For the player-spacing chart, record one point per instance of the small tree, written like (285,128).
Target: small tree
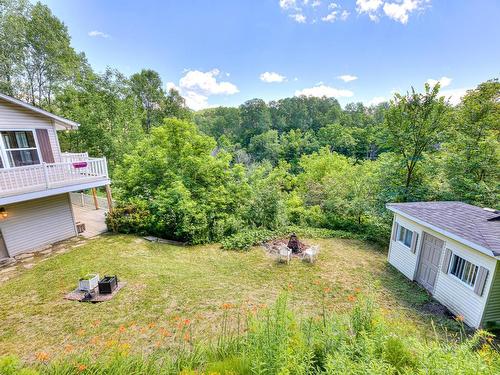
(415,123)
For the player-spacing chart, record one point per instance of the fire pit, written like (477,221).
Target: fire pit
(293,243)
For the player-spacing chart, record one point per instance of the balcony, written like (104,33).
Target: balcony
(75,172)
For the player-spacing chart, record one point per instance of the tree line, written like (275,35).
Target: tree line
(202,176)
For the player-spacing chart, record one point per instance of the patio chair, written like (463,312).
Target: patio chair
(311,253)
(284,254)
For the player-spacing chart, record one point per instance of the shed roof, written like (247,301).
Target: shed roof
(60,122)
(477,227)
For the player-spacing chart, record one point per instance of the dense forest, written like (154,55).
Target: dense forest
(303,161)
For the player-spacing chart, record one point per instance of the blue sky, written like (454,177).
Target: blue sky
(217,52)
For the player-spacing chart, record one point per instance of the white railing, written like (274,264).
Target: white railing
(74,156)
(48,176)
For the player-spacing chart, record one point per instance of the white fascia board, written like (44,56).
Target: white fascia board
(48,192)
(444,232)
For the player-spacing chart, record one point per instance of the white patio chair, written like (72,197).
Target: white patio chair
(284,254)
(311,253)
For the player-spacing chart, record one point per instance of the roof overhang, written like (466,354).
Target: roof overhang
(61,123)
(444,232)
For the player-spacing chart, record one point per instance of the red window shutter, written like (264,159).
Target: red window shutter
(45,147)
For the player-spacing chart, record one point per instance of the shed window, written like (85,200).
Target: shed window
(464,270)
(405,235)
(20,148)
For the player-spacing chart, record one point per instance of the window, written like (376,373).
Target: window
(404,236)
(20,148)
(464,270)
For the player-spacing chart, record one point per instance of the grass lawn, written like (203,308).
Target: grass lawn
(172,287)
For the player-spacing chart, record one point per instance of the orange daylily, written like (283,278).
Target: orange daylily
(81,367)
(42,356)
(351,298)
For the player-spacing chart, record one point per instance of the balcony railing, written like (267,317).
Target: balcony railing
(72,171)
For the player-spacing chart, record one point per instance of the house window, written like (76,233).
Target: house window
(20,148)
(405,235)
(464,270)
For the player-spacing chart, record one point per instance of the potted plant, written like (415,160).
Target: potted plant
(88,282)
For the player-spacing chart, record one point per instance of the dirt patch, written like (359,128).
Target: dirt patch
(436,308)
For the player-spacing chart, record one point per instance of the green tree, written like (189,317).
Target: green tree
(255,119)
(415,124)
(472,156)
(265,146)
(146,85)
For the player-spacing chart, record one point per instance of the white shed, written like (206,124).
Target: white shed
(451,249)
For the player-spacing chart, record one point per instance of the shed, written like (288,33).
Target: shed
(451,249)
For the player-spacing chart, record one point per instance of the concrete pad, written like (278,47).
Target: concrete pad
(93,219)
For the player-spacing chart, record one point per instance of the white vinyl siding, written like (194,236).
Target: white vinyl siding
(36,223)
(455,294)
(449,290)
(400,255)
(13,117)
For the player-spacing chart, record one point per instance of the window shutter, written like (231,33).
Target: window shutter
(414,242)
(395,231)
(42,136)
(482,275)
(446,261)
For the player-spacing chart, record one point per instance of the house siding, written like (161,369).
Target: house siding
(36,223)
(16,117)
(401,256)
(492,308)
(448,290)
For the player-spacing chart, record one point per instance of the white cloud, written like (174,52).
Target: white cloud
(98,34)
(287,4)
(400,11)
(333,6)
(344,15)
(368,6)
(443,81)
(270,77)
(377,100)
(322,90)
(316,3)
(453,96)
(197,86)
(330,17)
(300,18)
(347,77)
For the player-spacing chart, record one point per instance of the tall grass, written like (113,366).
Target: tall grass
(274,341)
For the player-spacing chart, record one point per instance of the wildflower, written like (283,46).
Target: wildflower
(151,325)
(317,282)
(351,298)
(122,328)
(290,286)
(187,336)
(327,290)
(459,318)
(227,306)
(164,332)
(80,332)
(81,367)
(94,340)
(69,348)
(42,356)
(96,323)
(110,343)
(142,330)
(357,290)
(187,322)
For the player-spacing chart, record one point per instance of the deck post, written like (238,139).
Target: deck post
(110,199)
(94,195)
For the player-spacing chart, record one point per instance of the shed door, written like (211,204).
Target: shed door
(3,248)
(429,261)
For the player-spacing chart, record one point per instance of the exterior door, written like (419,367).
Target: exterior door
(3,248)
(430,255)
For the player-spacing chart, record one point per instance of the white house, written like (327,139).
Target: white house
(36,178)
(452,249)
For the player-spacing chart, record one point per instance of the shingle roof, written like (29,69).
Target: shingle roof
(468,222)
